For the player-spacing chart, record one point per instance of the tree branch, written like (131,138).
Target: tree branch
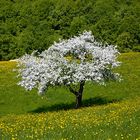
(73,91)
(80,91)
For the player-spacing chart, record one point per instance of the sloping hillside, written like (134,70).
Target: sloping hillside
(110,112)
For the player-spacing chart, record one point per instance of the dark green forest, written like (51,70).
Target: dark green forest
(27,25)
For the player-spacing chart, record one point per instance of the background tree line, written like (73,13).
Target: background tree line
(27,25)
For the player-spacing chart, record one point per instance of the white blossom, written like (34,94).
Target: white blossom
(77,59)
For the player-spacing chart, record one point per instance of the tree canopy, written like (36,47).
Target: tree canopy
(27,25)
(69,62)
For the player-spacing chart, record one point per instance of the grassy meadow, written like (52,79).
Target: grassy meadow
(110,112)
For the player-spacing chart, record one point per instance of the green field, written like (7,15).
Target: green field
(110,112)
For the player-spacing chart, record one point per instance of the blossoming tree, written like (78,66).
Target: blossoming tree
(70,63)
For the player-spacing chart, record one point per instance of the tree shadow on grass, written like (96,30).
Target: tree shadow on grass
(85,103)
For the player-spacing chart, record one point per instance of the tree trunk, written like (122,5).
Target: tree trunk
(78,101)
(78,94)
